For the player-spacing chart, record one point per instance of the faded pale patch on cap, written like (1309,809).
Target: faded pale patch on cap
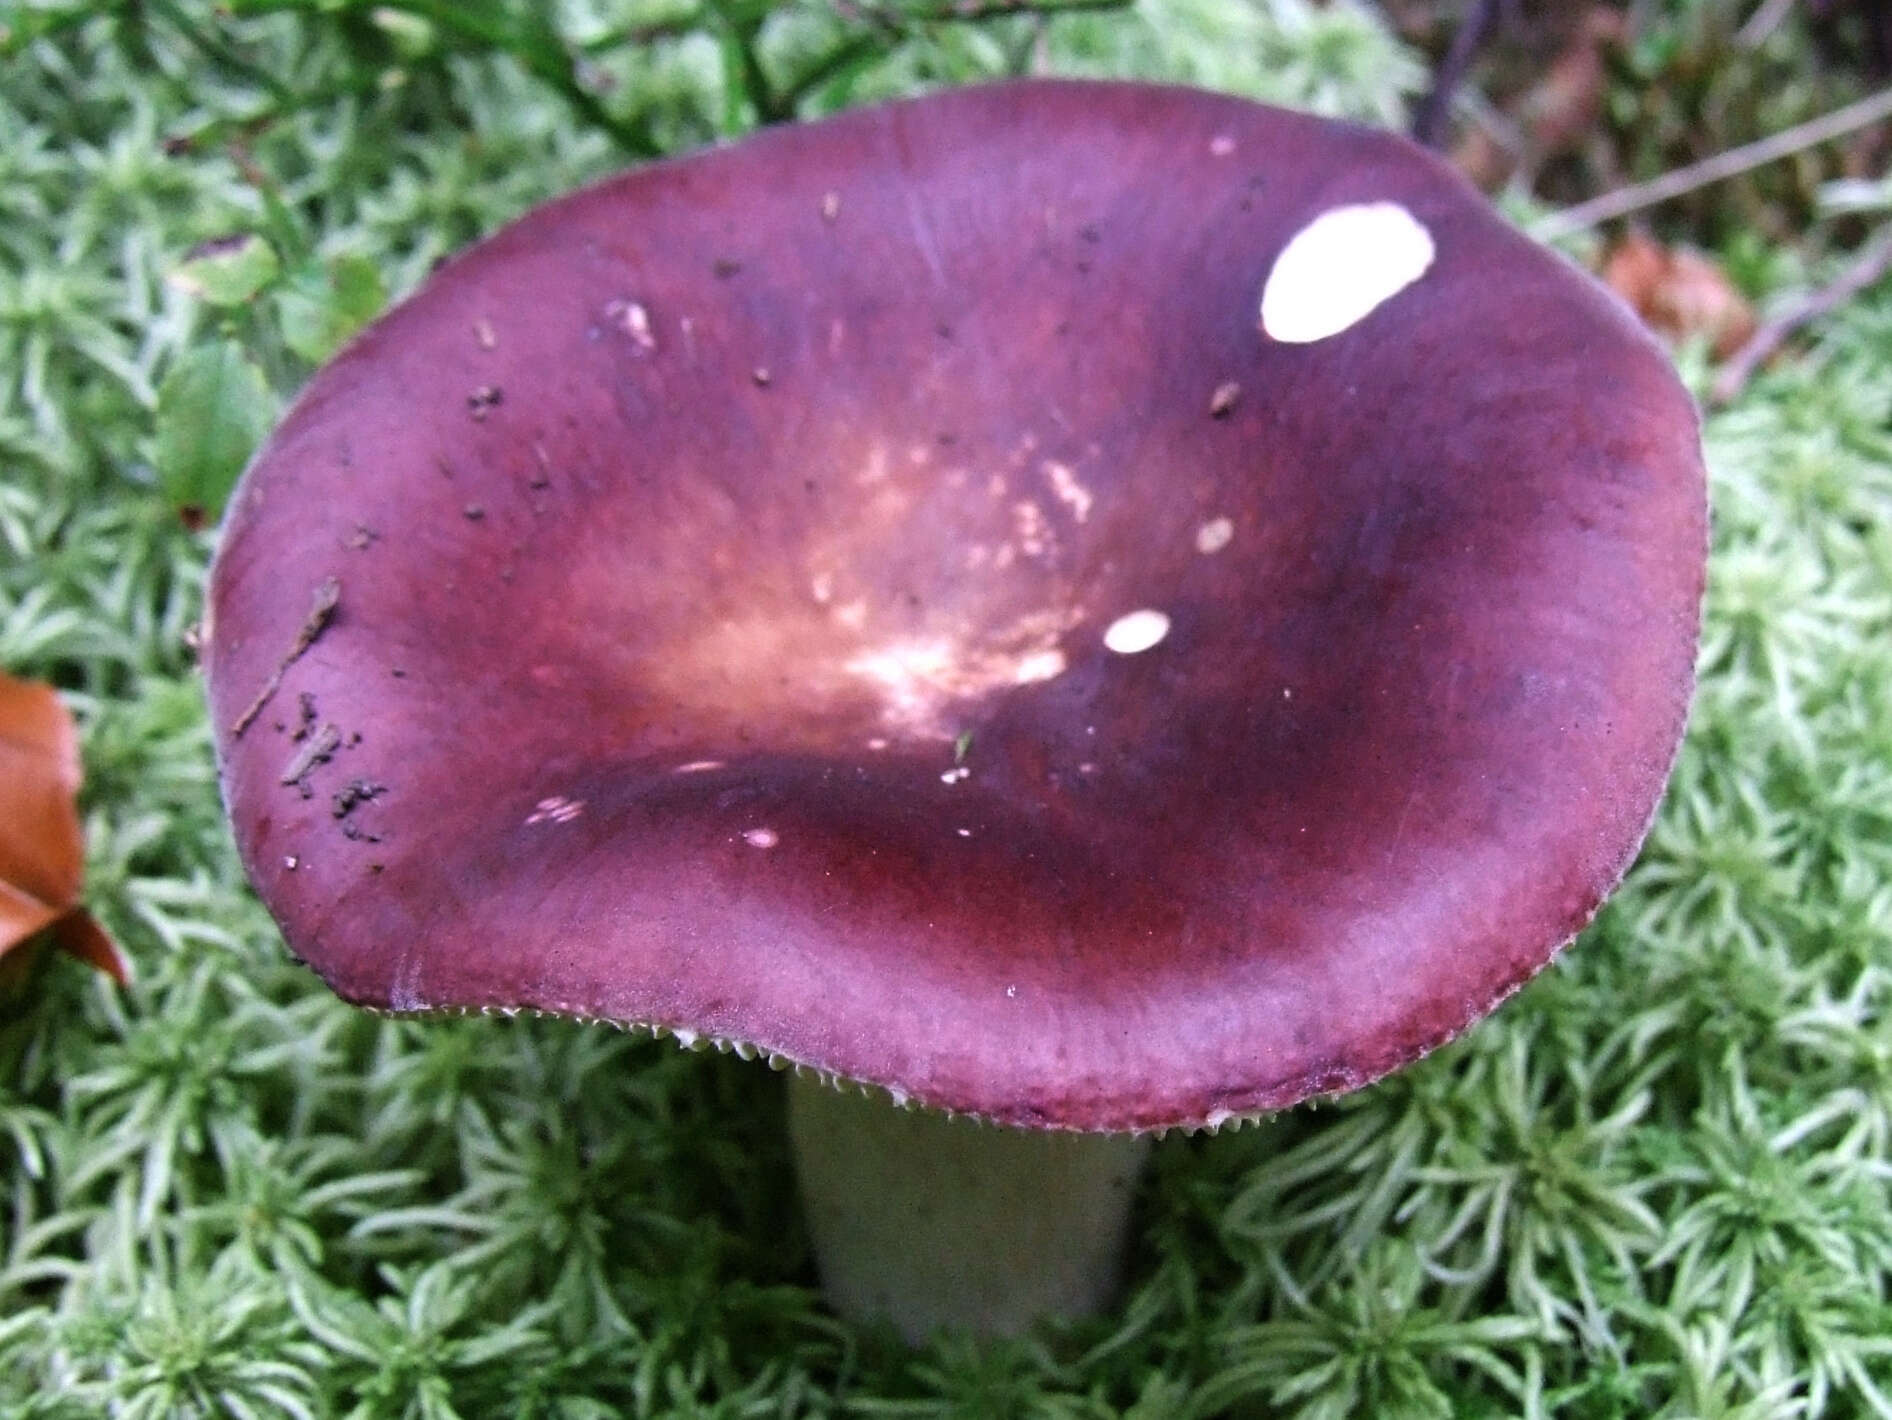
(1340,268)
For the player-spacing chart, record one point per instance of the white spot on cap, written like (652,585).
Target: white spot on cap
(557,809)
(1136,631)
(1221,145)
(1340,267)
(1214,535)
(953,776)
(633,319)
(761,837)
(698,766)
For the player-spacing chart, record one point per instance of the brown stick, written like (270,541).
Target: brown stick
(319,748)
(1431,123)
(1869,264)
(1874,108)
(321,608)
(1763,22)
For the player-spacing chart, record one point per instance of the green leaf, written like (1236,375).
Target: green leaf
(213,409)
(227,271)
(321,306)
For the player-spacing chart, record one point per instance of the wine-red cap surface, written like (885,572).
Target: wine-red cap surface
(1092,605)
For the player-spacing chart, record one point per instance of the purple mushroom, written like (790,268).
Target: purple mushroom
(1092,607)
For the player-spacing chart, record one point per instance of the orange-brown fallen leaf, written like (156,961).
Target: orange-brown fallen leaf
(42,853)
(1679,293)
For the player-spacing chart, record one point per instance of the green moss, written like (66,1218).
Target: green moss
(1655,1184)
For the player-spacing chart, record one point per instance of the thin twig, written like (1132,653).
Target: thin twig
(900,22)
(882,28)
(1874,108)
(1430,122)
(215,50)
(321,607)
(530,39)
(318,748)
(258,120)
(854,49)
(642,36)
(1868,266)
(972,12)
(753,79)
(1762,23)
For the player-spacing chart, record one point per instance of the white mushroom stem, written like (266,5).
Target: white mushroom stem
(929,1222)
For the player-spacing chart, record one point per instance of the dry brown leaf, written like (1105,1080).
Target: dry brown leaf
(1679,293)
(42,851)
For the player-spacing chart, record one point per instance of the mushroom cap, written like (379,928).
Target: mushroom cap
(876,592)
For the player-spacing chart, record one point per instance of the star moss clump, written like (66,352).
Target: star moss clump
(1655,1184)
